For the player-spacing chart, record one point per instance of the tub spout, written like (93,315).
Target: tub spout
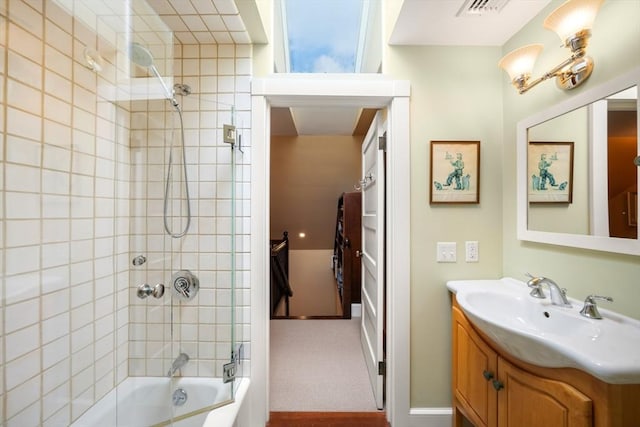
(180,361)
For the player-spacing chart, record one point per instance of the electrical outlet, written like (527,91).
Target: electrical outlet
(471,251)
(446,252)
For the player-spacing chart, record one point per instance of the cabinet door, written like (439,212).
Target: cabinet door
(530,401)
(474,369)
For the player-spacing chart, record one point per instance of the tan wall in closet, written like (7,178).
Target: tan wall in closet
(308,175)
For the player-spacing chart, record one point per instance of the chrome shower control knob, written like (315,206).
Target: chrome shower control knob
(158,290)
(145,290)
(185,285)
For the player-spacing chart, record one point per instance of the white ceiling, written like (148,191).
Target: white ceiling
(434,22)
(420,22)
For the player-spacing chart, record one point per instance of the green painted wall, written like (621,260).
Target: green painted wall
(459,93)
(456,96)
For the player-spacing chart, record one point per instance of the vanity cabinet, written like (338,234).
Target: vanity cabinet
(529,400)
(493,389)
(474,367)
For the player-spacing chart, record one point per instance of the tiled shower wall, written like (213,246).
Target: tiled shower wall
(70,212)
(218,76)
(65,261)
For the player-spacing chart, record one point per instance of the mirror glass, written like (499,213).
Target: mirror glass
(577,180)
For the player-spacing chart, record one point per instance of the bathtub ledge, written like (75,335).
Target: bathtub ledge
(226,415)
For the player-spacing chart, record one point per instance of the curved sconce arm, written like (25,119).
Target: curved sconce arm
(569,73)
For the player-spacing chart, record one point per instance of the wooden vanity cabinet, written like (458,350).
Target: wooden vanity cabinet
(527,400)
(493,389)
(474,365)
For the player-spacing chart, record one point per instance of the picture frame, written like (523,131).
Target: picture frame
(550,172)
(454,175)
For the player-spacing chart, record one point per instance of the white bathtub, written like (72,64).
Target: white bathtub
(145,401)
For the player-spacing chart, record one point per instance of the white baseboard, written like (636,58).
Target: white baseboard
(356,310)
(430,417)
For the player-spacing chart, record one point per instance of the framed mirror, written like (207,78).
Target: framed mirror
(577,183)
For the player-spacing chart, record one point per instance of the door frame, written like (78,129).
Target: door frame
(339,90)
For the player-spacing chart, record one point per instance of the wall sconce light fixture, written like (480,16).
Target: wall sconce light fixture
(572,21)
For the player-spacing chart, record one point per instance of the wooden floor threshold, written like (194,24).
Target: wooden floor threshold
(327,419)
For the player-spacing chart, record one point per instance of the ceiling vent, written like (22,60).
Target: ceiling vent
(481,7)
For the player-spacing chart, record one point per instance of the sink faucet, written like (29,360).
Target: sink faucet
(180,361)
(558,295)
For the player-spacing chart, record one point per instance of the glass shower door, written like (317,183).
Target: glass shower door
(184,337)
(183,193)
(182,223)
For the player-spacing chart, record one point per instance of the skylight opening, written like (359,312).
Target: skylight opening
(326,36)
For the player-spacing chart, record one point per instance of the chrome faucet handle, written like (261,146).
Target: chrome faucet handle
(537,292)
(590,308)
(533,280)
(536,284)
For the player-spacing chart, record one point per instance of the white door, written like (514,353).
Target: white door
(371,332)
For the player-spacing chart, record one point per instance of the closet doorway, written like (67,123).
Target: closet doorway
(315,210)
(328,381)
(332,91)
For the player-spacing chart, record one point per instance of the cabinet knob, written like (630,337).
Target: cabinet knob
(498,385)
(487,375)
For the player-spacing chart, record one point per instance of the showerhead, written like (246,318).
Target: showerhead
(140,55)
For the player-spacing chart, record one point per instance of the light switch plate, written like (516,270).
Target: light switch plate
(446,252)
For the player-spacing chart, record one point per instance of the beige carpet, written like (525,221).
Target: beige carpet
(317,365)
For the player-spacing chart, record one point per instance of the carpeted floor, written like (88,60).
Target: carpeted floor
(317,365)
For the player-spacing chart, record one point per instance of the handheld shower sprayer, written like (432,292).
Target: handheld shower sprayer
(141,56)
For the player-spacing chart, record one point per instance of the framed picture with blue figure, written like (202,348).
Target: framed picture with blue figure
(550,172)
(455,172)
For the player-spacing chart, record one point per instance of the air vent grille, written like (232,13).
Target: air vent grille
(481,7)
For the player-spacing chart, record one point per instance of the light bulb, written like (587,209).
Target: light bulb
(572,17)
(520,62)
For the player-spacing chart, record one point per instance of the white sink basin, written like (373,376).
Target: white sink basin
(537,332)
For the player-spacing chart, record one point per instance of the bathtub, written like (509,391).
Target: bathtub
(146,401)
